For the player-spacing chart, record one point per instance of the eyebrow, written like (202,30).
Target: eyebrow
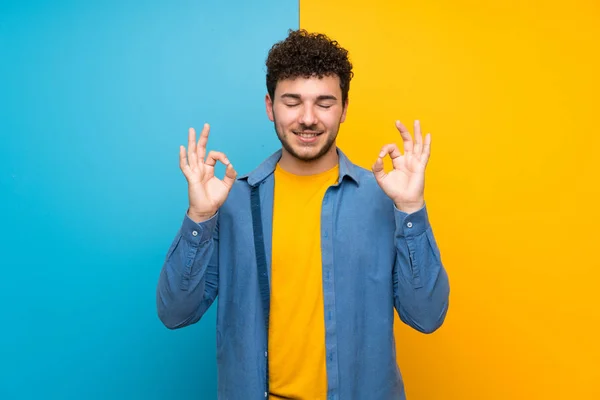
(319,98)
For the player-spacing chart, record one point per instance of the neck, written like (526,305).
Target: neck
(296,166)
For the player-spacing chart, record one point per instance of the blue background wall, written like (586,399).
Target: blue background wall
(95,99)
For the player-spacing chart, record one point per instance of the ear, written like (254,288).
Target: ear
(269,107)
(343,118)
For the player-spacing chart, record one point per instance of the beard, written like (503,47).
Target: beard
(283,138)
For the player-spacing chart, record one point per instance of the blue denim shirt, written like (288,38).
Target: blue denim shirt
(375,259)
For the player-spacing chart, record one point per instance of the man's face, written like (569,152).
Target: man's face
(307,114)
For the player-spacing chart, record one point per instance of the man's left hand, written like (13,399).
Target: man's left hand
(405,184)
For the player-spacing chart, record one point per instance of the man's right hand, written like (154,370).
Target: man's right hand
(206,192)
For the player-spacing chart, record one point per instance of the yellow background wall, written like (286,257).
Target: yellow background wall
(510,92)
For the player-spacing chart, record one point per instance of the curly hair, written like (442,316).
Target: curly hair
(304,54)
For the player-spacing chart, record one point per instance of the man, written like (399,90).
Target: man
(309,253)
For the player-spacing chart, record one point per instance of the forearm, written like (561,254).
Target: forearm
(421,286)
(188,280)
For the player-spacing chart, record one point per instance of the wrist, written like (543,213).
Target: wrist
(198,216)
(409,207)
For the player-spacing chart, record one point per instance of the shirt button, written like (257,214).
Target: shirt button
(194,233)
(265,353)
(266,394)
(409,224)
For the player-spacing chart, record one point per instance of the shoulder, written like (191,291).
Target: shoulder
(240,193)
(365,189)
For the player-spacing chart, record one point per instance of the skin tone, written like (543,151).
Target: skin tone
(307,113)
(405,183)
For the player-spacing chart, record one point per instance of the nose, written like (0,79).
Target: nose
(308,116)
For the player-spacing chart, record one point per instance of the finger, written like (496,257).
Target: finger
(406,138)
(183,165)
(418,148)
(192,160)
(426,149)
(391,149)
(201,151)
(213,156)
(230,175)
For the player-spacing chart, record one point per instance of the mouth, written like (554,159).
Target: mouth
(307,134)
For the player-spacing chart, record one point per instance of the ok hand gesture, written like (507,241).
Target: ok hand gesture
(206,192)
(405,184)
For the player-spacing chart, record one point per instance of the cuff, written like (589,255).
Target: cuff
(198,232)
(412,224)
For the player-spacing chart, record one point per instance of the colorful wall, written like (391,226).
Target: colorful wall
(96,97)
(509,91)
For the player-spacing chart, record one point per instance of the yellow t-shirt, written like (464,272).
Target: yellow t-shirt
(297,366)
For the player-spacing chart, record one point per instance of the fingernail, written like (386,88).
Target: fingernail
(417,122)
